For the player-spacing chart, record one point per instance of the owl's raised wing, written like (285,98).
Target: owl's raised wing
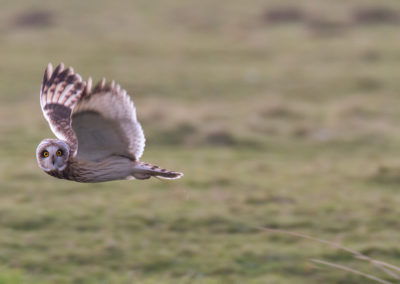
(60,92)
(105,123)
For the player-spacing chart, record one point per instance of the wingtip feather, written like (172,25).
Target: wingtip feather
(70,70)
(47,74)
(88,87)
(59,69)
(49,69)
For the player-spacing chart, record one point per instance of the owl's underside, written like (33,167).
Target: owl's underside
(99,137)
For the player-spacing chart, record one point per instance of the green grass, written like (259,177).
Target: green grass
(285,125)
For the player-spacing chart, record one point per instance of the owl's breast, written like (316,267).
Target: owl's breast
(59,174)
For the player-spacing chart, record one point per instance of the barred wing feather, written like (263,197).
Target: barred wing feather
(60,92)
(105,123)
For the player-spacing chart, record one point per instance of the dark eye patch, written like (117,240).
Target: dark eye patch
(44,154)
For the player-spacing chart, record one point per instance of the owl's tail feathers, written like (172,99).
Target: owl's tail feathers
(145,171)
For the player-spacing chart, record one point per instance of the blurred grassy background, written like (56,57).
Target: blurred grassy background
(280,113)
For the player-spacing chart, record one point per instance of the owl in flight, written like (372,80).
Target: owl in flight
(99,137)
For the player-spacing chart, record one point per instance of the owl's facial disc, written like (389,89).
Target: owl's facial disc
(52,155)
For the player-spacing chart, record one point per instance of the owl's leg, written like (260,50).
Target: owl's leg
(145,171)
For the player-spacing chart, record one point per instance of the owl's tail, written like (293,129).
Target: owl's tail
(145,171)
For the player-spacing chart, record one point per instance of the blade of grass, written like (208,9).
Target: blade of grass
(377,263)
(345,268)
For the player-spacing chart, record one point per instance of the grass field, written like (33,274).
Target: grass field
(280,114)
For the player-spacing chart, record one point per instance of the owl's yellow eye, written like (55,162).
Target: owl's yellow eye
(45,154)
(59,153)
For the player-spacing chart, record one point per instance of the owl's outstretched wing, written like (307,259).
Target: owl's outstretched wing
(105,123)
(61,90)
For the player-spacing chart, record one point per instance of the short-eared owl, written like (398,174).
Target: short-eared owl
(99,137)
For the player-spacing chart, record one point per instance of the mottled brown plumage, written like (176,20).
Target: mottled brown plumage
(99,137)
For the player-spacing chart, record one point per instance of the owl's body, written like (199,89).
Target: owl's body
(108,169)
(100,138)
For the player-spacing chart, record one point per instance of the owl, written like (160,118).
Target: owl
(99,136)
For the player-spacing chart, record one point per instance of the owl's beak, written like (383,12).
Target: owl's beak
(53,160)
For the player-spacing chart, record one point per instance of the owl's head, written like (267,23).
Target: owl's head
(52,155)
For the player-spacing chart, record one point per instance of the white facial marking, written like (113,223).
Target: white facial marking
(51,161)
